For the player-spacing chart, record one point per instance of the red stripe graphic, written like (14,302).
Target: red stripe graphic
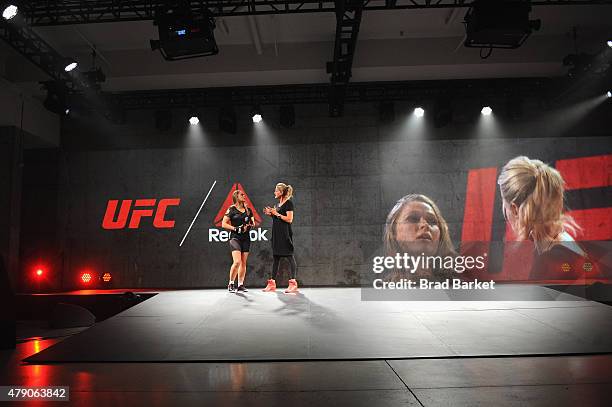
(479,200)
(586,172)
(478,214)
(595,223)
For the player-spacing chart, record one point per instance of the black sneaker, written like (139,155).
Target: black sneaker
(242,288)
(231,288)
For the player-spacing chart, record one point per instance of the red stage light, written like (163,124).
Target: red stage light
(106,277)
(39,272)
(86,277)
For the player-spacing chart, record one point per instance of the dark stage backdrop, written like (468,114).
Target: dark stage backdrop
(343,192)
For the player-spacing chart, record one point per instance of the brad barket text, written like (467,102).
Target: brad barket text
(425,284)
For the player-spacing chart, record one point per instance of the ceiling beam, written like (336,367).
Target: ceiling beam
(362,92)
(62,12)
(31,46)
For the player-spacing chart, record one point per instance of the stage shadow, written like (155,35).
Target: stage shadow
(245,296)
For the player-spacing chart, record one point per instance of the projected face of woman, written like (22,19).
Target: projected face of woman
(417,230)
(241,197)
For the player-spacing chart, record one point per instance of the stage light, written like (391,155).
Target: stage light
(194,120)
(183,34)
(70,66)
(86,277)
(486,111)
(55,101)
(256,114)
(609,43)
(106,277)
(287,115)
(419,112)
(227,120)
(498,24)
(94,77)
(9,11)
(40,272)
(609,94)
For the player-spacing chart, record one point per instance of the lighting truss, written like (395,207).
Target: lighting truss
(61,12)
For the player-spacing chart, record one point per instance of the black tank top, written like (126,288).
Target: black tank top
(238,218)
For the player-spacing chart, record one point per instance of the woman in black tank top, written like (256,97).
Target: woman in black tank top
(238,220)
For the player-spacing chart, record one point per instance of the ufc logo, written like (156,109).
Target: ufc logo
(142,208)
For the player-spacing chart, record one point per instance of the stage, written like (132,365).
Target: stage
(213,325)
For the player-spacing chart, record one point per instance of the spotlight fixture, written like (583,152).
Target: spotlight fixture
(609,94)
(55,101)
(486,111)
(287,115)
(256,114)
(419,112)
(227,120)
(183,34)
(498,24)
(586,64)
(106,279)
(578,64)
(39,272)
(94,77)
(194,118)
(609,43)
(67,111)
(9,11)
(86,277)
(70,66)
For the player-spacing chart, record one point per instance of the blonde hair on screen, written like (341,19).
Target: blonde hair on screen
(538,192)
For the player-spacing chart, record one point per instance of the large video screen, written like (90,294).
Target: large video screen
(382,212)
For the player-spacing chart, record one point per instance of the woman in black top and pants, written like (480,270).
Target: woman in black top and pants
(282,235)
(238,219)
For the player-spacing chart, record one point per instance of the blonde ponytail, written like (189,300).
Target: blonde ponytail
(286,190)
(537,190)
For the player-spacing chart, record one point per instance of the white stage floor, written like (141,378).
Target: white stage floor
(333,324)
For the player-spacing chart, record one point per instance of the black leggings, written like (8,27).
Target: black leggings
(292,263)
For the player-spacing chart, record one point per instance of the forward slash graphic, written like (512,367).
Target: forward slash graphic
(198,212)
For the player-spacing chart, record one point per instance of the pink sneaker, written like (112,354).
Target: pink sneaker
(271,286)
(293,287)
